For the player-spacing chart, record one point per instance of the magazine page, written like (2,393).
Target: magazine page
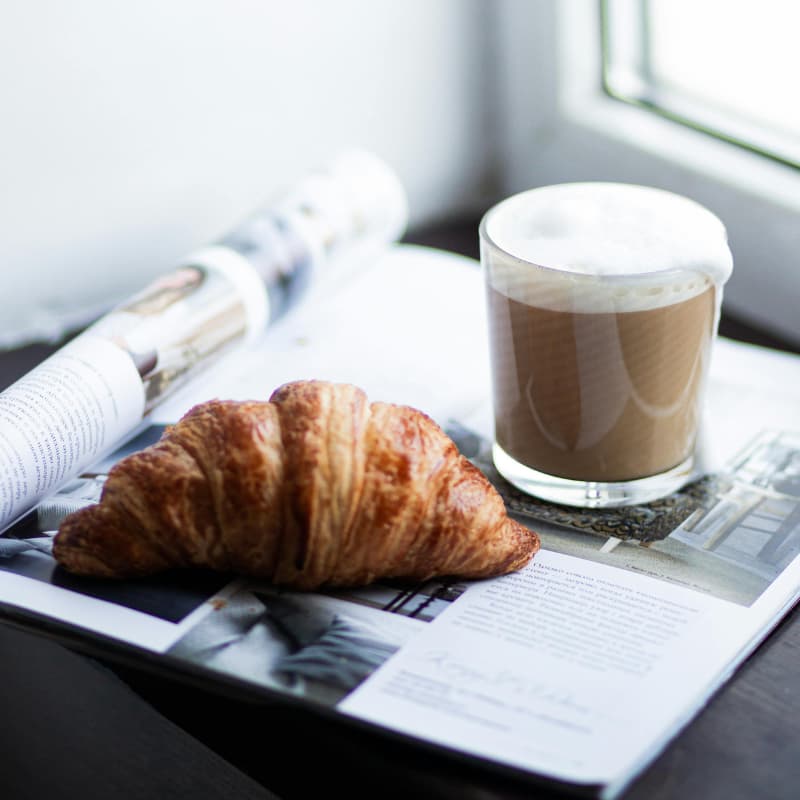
(567,668)
(578,667)
(410,329)
(61,416)
(620,629)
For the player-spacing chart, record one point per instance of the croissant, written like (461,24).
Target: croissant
(315,487)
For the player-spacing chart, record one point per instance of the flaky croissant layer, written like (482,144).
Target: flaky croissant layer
(315,487)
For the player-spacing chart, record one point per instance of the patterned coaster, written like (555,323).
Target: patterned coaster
(644,523)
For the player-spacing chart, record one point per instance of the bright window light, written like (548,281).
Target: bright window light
(728,67)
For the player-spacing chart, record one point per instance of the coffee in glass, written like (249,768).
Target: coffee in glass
(603,301)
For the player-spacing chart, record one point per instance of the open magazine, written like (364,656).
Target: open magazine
(579,668)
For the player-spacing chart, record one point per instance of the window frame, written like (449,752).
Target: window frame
(563,127)
(625,58)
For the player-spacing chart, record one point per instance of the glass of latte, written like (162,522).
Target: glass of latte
(603,302)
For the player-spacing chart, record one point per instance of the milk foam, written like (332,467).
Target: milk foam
(606,247)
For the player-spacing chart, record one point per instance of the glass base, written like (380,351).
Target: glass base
(591,494)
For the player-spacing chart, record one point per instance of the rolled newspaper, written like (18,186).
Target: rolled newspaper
(91,394)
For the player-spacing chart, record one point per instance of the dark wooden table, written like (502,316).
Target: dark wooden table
(70,725)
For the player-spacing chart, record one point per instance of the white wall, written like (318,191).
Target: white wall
(131,132)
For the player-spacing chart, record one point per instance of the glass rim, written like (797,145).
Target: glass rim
(657,276)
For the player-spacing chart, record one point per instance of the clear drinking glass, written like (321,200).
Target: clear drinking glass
(603,302)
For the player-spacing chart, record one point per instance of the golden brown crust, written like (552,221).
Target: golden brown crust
(316,487)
